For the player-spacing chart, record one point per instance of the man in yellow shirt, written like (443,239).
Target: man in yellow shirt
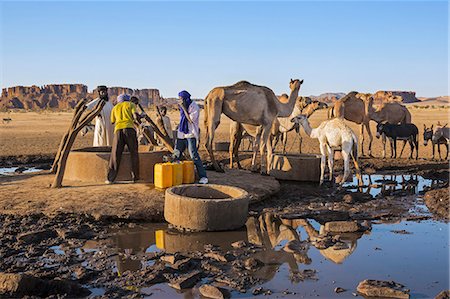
(123,116)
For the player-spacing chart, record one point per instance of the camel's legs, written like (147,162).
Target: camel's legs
(323,149)
(346,157)
(213,122)
(265,134)
(269,154)
(358,172)
(255,144)
(330,162)
(369,132)
(235,141)
(284,136)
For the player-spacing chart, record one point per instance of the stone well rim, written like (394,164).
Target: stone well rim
(241,193)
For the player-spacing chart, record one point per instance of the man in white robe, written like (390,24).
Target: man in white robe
(104,130)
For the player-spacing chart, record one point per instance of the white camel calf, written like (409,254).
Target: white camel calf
(333,133)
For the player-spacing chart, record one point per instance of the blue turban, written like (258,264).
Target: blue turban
(124,97)
(186,96)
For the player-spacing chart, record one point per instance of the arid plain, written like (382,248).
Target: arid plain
(39,133)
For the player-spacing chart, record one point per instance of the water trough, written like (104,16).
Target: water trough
(296,167)
(91,164)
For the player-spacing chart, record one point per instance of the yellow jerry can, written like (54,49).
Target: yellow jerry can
(177,173)
(159,238)
(163,175)
(188,172)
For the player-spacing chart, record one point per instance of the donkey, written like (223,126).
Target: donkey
(405,132)
(428,136)
(441,133)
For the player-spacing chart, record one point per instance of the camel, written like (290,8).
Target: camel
(250,104)
(307,107)
(331,134)
(358,108)
(355,107)
(279,130)
(391,112)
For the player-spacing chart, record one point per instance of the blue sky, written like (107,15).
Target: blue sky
(335,46)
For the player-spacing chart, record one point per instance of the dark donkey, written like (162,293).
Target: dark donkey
(428,135)
(405,132)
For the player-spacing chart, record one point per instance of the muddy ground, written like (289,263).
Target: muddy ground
(57,253)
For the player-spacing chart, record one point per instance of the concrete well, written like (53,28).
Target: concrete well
(299,167)
(91,165)
(206,207)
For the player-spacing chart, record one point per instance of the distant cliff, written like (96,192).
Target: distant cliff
(64,96)
(395,96)
(379,97)
(328,97)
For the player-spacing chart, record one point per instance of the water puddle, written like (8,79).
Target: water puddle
(18,170)
(412,253)
(391,184)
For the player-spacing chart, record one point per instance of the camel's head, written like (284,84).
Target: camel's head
(299,119)
(302,102)
(295,84)
(317,105)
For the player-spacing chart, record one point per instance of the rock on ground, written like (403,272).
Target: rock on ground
(438,202)
(209,291)
(380,288)
(23,285)
(341,226)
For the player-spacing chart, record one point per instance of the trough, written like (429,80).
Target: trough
(221,146)
(206,207)
(296,167)
(91,165)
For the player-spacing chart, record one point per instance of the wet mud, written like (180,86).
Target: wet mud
(305,242)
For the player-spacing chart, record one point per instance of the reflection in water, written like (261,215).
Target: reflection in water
(272,234)
(267,231)
(380,184)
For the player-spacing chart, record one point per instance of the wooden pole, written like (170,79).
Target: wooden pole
(164,138)
(76,116)
(74,129)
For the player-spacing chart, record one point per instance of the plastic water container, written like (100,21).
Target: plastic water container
(177,173)
(160,240)
(163,175)
(188,172)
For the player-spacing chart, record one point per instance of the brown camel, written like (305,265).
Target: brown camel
(391,112)
(251,104)
(279,130)
(355,107)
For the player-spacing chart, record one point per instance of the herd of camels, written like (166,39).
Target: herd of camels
(266,117)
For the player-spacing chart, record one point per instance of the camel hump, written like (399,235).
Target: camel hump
(243,83)
(350,95)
